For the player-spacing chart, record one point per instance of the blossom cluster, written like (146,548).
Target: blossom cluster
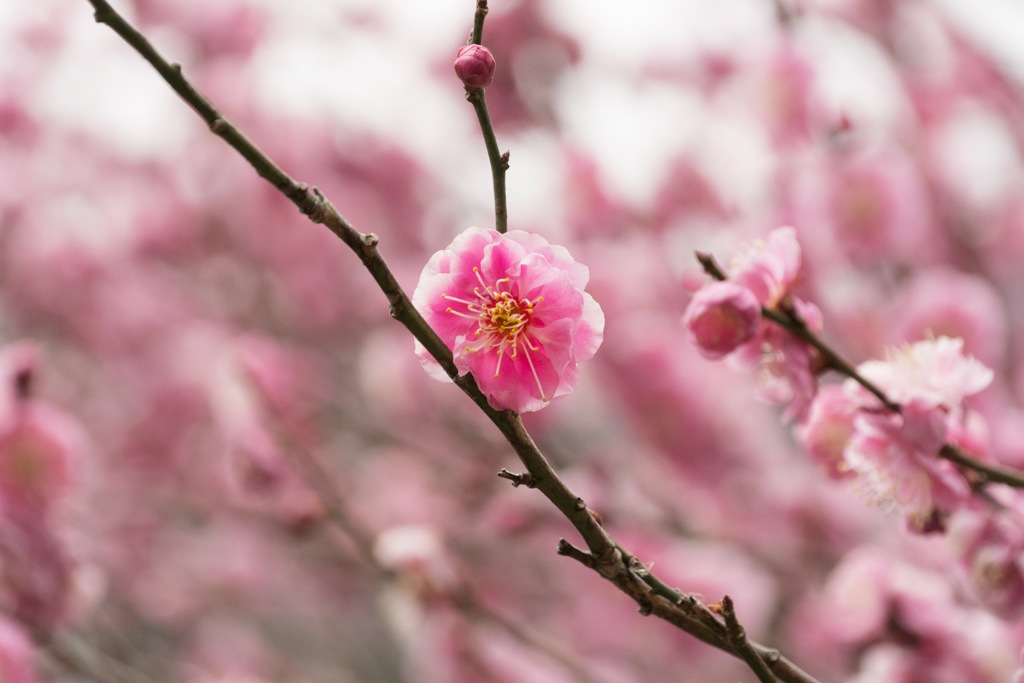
(886,429)
(724,319)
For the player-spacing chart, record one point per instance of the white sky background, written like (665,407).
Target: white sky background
(383,78)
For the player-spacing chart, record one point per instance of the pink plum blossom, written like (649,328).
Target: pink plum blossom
(990,547)
(894,462)
(787,365)
(719,320)
(721,317)
(976,314)
(513,310)
(894,455)
(935,371)
(827,430)
(768,267)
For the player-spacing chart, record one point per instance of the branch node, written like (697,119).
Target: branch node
(525,479)
(638,567)
(504,160)
(316,207)
(218,125)
(646,607)
(175,67)
(581,504)
(370,240)
(567,549)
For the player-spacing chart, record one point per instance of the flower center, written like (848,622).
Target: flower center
(505,317)
(502,322)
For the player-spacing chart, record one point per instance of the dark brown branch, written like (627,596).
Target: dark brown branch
(738,638)
(608,560)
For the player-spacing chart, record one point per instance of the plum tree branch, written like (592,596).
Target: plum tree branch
(606,557)
(787,318)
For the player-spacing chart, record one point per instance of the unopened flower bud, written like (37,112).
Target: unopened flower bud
(474,65)
(722,317)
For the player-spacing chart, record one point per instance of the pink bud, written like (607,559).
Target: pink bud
(474,65)
(721,317)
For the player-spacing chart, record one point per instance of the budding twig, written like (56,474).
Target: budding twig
(498,161)
(478,22)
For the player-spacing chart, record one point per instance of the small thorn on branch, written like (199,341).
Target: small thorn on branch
(525,479)
(504,160)
(567,549)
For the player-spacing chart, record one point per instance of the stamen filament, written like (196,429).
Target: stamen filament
(502,322)
(536,378)
(461,314)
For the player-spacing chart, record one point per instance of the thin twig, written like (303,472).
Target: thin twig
(469,605)
(477,36)
(75,654)
(497,160)
(988,473)
(607,558)
(738,638)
